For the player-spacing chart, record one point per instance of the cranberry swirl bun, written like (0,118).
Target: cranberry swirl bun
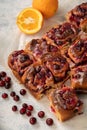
(37,78)
(79,78)
(77,14)
(64,103)
(40,47)
(62,34)
(58,65)
(18,61)
(78,51)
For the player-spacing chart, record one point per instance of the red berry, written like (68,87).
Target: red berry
(22,91)
(7,79)
(4,95)
(2,74)
(7,85)
(49,121)
(2,83)
(14,108)
(24,105)
(32,120)
(41,114)
(22,111)
(16,98)
(12,94)
(28,113)
(30,107)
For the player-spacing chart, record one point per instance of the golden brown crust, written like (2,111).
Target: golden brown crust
(83,25)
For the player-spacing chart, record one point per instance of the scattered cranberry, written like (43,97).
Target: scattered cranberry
(41,114)
(4,95)
(32,120)
(24,105)
(22,91)
(7,85)
(12,94)
(28,113)
(22,111)
(16,98)
(30,107)
(7,79)
(14,108)
(49,121)
(2,83)
(2,74)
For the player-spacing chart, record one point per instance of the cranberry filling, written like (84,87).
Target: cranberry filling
(23,58)
(52,109)
(53,48)
(16,53)
(33,44)
(56,67)
(75,18)
(77,76)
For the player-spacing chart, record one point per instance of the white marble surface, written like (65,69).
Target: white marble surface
(10,39)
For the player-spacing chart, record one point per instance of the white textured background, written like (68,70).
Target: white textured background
(10,39)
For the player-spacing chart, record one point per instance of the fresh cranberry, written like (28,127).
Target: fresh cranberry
(2,83)
(41,114)
(22,91)
(32,120)
(12,94)
(22,111)
(4,95)
(7,85)
(7,79)
(24,105)
(16,98)
(49,121)
(14,108)
(30,107)
(28,113)
(2,74)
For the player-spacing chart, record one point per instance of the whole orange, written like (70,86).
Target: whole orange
(47,7)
